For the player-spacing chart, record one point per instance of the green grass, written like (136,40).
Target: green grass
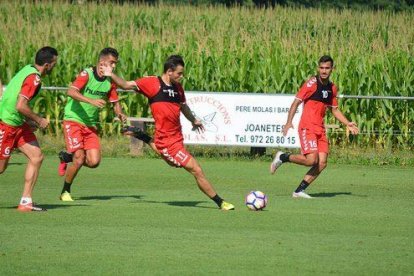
(139,216)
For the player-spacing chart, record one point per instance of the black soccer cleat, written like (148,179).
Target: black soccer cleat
(137,133)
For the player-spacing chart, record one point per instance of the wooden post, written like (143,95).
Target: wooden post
(136,147)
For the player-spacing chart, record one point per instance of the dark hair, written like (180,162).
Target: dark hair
(45,55)
(109,51)
(172,62)
(326,58)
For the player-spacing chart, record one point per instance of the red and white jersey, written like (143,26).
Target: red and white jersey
(316,97)
(82,79)
(165,102)
(31,86)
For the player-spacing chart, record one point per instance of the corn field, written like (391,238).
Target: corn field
(225,49)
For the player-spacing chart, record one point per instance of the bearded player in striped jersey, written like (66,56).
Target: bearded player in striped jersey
(167,100)
(317,95)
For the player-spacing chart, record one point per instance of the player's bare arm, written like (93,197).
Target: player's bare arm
(107,71)
(74,93)
(291,114)
(118,112)
(351,126)
(23,107)
(197,124)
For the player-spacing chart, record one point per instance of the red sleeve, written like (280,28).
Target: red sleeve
(31,86)
(307,89)
(81,80)
(113,94)
(149,86)
(334,96)
(182,94)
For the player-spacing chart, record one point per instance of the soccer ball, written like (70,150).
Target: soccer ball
(256,200)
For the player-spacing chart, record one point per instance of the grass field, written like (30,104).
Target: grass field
(139,216)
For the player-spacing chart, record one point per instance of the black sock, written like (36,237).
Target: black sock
(218,200)
(284,157)
(66,156)
(302,186)
(145,137)
(66,187)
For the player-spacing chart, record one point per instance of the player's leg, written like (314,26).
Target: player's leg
(311,175)
(64,158)
(92,147)
(93,158)
(79,157)
(316,169)
(204,185)
(35,159)
(3,165)
(141,135)
(309,156)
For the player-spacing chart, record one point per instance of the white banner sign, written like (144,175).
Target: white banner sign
(241,119)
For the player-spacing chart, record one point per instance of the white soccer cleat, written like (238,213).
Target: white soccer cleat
(276,162)
(301,194)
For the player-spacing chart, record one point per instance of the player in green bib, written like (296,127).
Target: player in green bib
(87,95)
(16,114)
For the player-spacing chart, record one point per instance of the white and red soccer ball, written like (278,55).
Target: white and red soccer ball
(256,200)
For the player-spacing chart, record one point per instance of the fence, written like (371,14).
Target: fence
(384,120)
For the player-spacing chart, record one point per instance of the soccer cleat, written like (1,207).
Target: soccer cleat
(62,168)
(30,207)
(301,194)
(137,133)
(276,162)
(65,196)
(226,206)
(62,165)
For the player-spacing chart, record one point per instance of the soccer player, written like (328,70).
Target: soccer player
(167,99)
(317,94)
(87,95)
(15,116)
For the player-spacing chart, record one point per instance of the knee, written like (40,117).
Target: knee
(197,171)
(93,163)
(78,160)
(2,170)
(37,159)
(312,162)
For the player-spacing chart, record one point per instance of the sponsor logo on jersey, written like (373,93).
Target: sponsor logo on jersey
(96,92)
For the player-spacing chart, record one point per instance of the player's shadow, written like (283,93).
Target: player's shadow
(15,163)
(50,206)
(187,204)
(58,206)
(331,194)
(194,204)
(108,197)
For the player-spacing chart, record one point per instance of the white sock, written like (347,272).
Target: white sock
(26,200)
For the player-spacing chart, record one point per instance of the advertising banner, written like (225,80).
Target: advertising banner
(241,119)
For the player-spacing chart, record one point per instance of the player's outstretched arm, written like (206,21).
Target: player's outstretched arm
(351,126)
(291,114)
(197,124)
(107,71)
